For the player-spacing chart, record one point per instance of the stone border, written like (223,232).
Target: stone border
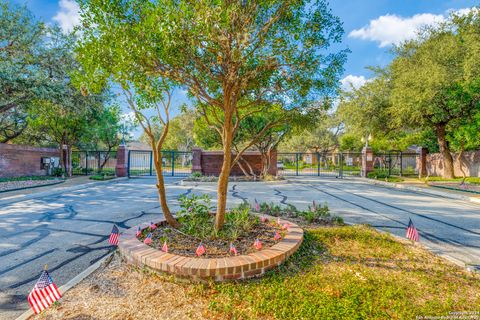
(217,269)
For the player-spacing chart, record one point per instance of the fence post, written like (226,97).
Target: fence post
(196,160)
(367,161)
(122,169)
(296,164)
(389,164)
(401,163)
(340,165)
(151,163)
(173,163)
(422,162)
(86,163)
(318,164)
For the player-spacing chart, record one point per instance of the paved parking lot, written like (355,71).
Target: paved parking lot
(68,230)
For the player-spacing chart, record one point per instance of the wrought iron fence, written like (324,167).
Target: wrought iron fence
(92,162)
(396,163)
(174,163)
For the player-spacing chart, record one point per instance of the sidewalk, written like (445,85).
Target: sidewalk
(419,186)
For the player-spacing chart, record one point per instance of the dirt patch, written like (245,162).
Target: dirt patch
(121,291)
(185,245)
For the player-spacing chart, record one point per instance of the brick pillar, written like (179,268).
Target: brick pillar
(273,163)
(197,160)
(121,169)
(422,162)
(367,161)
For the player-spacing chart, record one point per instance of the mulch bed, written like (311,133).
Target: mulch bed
(186,245)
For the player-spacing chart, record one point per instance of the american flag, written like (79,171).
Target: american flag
(233,250)
(257,244)
(165,247)
(412,232)
(153,226)
(139,231)
(277,236)
(264,219)
(44,294)
(113,240)
(257,206)
(148,239)
(285,226)
(200,250)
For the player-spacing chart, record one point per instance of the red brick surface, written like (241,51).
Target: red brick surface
(217,269)
(16,160)
(209,163)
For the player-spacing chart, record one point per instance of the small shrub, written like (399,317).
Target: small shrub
(57,172)
(196,175)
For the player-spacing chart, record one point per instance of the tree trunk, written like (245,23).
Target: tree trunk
(222,186)
(460,164)
(162,197)
(445,151)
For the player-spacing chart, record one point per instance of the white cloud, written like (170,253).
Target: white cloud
(393,29)
(68,15)
(352,81)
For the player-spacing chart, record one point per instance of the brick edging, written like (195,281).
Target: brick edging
(217,269)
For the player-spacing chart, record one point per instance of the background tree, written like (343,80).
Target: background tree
(233,56)
(436,81)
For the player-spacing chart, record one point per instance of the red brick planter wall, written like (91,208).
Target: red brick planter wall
(217,269)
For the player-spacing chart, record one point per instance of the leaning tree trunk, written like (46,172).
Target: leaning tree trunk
(162,197)
(445,151)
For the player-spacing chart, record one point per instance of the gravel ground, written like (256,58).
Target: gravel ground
(11,185)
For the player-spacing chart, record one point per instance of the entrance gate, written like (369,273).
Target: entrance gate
(175,163)
(326,164)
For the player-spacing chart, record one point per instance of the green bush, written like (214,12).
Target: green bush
(197,220)
(196,175)
(101,177)
(57,172)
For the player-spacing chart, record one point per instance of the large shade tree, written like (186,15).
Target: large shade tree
(234,57)
(436,79)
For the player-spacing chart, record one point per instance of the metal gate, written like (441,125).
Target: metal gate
(93,162)
(175,163)
(397,163)
(330,164)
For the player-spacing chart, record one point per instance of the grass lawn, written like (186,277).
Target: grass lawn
(338,273)
(27,178)
(473,180)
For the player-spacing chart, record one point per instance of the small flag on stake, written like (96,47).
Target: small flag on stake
(165,247)
(44,293)
(257,206)
(285,226)
(257,244)
(314,206)
(412,232)
(153,226)
(264,219)
(148,239)
(233,250)
(113,240)
(200,250)
(139,231)
(277,236)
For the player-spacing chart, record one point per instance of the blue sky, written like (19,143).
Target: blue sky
(371,26)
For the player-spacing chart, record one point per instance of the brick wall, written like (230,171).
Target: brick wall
(470,163)
(16,160)
(210,162)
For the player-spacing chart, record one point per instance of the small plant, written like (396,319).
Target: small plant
(57,172)
(196,175)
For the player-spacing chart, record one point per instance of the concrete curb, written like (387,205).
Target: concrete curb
(17,198)
(72,283)
(210,183)
(425,190)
